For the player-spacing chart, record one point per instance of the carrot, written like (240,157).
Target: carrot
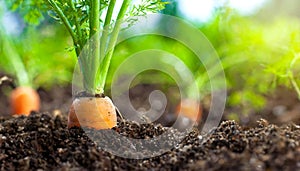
(190,108)
(23,100)
(92,112)
(95,112)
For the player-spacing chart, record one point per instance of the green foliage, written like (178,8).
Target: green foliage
(143,8)
(45,60)
(82,20)
(141,43)
(268,53)
(32,10)
(246,98)
(12,60)
(146,6)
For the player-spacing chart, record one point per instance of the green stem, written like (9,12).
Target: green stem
(16,61)
(105,31)
(83,62)
(291,75)
(79,32)
(66,23)
(103,69)
(95,17)
(94,50)
(294,83)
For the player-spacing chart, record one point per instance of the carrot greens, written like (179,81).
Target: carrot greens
(83,20)
(14,60)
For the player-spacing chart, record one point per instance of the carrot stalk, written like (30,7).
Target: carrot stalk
(15,61)
(103,69)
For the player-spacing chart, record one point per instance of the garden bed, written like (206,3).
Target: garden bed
(42,141)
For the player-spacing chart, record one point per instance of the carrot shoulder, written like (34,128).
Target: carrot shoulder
(92,112)
(23,100)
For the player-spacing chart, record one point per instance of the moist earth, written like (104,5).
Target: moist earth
(43,141)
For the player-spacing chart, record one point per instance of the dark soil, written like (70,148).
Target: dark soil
(42,141)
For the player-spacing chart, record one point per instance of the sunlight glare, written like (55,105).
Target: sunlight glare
(202,10)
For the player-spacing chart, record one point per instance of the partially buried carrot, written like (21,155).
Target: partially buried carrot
(23,100)
(92,112)
(190,108)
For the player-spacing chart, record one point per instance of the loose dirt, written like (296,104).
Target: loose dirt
(42,141)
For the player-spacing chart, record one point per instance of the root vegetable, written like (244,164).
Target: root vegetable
(92,112)
(23,100)
(190,108)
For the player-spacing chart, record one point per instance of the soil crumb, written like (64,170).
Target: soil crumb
(42,141)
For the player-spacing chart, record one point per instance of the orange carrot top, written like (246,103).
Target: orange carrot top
(23,100)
